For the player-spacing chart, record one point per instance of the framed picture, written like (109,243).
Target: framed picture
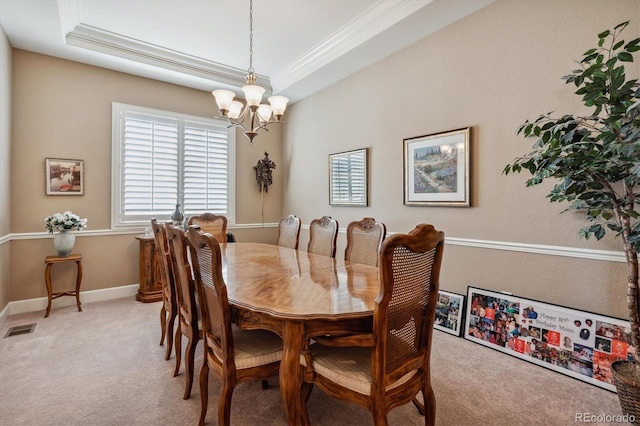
(348,178)
(449,312)
(436,169)
(576,343)
(64,177)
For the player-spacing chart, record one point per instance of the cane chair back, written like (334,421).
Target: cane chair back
(364,239)
(169,307)
(391,366)
(323,233)
(289,232)
(232,354)
(188,315)
(213,224)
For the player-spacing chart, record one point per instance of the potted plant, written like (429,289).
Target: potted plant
(596,162)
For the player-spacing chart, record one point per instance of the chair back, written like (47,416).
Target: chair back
(405,307)
(289,232)
(212,224)
(212,294)
(185,287)
(162,254)
(322,236)
(364,239)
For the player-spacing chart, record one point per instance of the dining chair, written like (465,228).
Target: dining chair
(364,239)
(289,232)
(188,311)
(215,225)
(169,307)
(323,233)
(390,366)
(232,354)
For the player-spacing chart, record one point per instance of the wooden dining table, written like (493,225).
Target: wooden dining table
(297,295)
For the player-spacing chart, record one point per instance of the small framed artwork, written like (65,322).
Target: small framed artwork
(449,311)
(64,177)
(348,178)
(436,169)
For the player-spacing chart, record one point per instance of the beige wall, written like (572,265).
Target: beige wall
(5,175)
(63,109)
(490,71)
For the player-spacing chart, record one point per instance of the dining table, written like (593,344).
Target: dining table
(297,295)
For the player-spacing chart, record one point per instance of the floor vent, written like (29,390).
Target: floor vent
(20,329)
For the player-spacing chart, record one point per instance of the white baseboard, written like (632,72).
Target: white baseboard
(40,303)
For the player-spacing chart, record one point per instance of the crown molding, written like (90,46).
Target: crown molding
(376,19)
(102,41)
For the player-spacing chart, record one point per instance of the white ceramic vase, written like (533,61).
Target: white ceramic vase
(64,242)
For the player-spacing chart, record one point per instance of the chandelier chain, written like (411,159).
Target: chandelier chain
(251,70)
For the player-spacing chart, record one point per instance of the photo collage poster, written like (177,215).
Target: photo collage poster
(576,343)
(449,311)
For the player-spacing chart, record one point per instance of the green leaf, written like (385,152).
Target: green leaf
(604,34)
(621,25)
(625,57)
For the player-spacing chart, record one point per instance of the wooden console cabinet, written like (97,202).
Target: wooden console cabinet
(150,285)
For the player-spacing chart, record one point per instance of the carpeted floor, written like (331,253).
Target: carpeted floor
(103,366)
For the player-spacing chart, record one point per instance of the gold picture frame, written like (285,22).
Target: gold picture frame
(436,169)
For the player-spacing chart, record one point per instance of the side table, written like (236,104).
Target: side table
(50,261)
(150,285)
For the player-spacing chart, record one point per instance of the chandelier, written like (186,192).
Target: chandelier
(259,115)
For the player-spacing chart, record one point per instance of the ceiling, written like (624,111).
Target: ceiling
(299,46)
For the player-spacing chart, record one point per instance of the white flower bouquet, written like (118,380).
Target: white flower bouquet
(64,221)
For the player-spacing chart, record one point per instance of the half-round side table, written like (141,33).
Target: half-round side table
(50,261)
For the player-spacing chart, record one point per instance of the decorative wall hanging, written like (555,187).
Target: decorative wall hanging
(436,169)
(576,343)
(348,181)
(263,172)
(64,177)
(264,178)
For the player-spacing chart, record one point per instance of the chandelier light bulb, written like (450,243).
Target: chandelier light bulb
(264,112)
(224,98)
(278,105)
(235,109)
(253,93)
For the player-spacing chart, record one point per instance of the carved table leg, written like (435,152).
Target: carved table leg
(47,280)
(78,282)
(290,371)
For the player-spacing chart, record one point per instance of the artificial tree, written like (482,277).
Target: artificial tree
(596,158)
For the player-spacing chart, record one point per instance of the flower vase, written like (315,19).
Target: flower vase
(63,242)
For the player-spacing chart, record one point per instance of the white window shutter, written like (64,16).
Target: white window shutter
(160,158)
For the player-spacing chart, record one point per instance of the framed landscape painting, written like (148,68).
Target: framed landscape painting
(64,177)
(436,169)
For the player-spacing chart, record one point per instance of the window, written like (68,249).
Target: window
(160,158)
(348,178)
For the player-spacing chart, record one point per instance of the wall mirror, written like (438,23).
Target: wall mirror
(348,178)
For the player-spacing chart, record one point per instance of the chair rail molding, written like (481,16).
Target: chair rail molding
(549,250)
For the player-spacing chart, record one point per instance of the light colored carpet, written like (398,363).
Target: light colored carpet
(103,366)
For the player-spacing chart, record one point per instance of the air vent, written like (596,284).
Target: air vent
(20,329)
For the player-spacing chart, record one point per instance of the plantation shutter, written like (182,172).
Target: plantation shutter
(161,158)
(150,165)
(206,171)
